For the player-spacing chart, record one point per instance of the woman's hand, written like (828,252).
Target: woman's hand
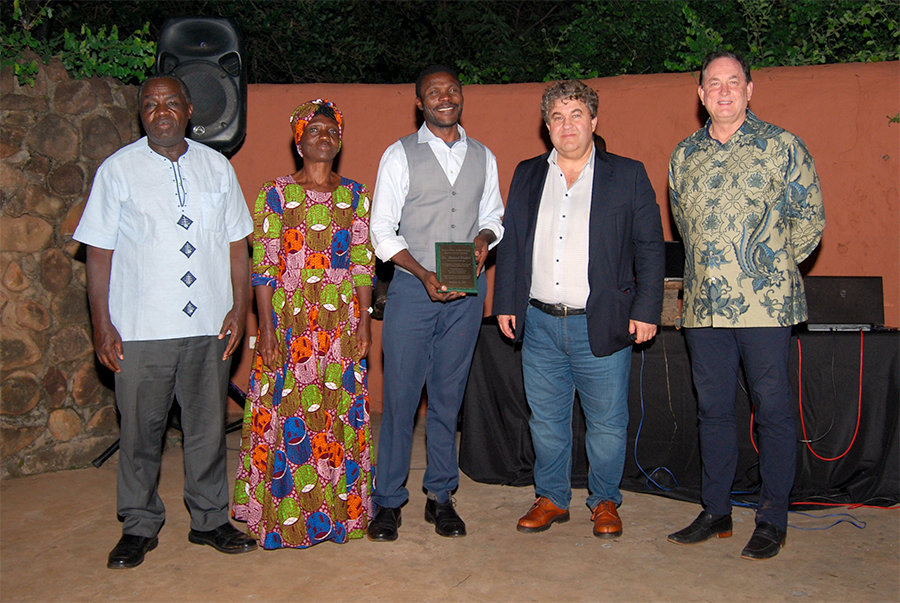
(267,347)
(364,334)
(364,327)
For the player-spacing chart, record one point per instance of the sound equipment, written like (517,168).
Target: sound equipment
(674,260)
(207,53)
(844,303)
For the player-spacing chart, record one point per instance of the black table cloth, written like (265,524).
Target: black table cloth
(663,454)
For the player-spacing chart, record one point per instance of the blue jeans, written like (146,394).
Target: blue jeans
(557,360)
(715,355)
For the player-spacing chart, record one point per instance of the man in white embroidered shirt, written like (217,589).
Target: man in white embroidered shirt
(435,185)
(166,232)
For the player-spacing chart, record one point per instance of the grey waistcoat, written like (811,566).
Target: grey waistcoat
(434,211)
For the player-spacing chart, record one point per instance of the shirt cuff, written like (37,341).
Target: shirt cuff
(497,229)
(388,249)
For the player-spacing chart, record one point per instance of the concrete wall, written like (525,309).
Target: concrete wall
(840,111)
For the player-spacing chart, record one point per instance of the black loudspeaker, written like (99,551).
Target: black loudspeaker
(207,53)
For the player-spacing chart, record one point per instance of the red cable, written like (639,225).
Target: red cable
(752,441)
(848,505)
(800,393)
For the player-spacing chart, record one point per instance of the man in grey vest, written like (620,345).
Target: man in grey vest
(435,185)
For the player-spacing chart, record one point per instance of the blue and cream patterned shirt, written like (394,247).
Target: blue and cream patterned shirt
(749,211)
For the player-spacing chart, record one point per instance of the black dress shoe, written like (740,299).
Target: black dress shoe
(766,541)
(225,539)
(383,527)
(705,526)
(130,551)
(443,516)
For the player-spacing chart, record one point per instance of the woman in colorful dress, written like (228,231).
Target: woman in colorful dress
(305,473)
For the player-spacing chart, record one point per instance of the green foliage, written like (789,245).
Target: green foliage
(507,38)
(699,42)
(490,42)
(104,54)
(865,33)
(562,66)
(17,39)
(772,33)
(362,41)
(84,55)
(611,37)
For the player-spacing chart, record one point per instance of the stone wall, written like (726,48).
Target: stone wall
(54,411)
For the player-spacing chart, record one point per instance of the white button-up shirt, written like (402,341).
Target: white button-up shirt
(392,186)
(561,238)
(170,226)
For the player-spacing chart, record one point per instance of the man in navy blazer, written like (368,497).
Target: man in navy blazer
(579,279)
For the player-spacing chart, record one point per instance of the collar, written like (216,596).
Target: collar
(554,156)
(426,135)
(749,126)
(153,153)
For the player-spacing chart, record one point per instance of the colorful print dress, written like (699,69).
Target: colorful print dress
(305,473)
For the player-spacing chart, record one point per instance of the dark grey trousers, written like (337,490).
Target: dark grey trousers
(153,374)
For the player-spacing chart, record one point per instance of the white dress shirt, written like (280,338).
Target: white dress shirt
(392,186)
(562,237)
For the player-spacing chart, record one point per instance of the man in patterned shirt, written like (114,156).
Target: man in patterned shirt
(747,201)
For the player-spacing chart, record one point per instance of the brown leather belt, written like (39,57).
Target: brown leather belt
(558,310)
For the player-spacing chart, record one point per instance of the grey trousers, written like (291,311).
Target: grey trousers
(153,374)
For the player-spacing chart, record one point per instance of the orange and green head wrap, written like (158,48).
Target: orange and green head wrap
(303,114)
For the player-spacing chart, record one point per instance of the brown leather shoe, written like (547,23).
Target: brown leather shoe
(606,520)
(543,513)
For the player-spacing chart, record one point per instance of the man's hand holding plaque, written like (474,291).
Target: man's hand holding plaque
(457,268)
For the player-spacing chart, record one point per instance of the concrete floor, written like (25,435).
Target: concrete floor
(57,529)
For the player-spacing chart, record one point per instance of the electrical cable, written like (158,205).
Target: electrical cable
(892,507)
(806,440)
(845,518)
(752,441)
(852,520)
(637,437)
(856,523)
(800,395)
(833,400)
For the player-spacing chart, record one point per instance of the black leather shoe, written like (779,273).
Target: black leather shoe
(383,527)
(766,541)
(130,551)
(702,528)
(443,516)
(225,539)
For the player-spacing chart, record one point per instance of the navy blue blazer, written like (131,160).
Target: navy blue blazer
(626,257)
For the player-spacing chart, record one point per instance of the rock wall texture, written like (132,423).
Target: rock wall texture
(54,411)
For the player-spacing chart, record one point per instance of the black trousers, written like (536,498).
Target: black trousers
(715,354)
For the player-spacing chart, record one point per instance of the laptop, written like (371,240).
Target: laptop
(844,303)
